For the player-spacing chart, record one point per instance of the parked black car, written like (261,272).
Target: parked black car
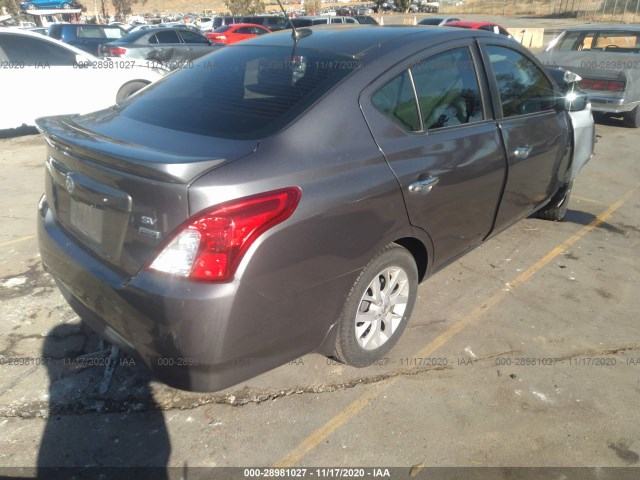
(86,37)
(222,21)
(264,204)
(172,47)
(274,23)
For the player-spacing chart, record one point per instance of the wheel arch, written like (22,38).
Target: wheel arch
(419,252)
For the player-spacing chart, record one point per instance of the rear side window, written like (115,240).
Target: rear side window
(397,100)
(446,88)
(522,86)
(35,52)
(167,36)
(240,92)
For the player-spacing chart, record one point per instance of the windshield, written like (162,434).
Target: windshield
(241,91)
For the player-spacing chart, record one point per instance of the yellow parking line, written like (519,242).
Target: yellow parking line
(355,407)
(17,240)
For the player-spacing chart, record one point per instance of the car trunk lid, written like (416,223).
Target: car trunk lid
(121,198)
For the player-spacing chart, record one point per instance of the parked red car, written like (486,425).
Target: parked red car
(236,32)
(488,26)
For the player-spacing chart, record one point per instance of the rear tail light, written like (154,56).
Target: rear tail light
(211,244)
(117,51)
(602,85)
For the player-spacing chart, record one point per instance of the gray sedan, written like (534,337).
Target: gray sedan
(607,57)
(287,194)
(173,47)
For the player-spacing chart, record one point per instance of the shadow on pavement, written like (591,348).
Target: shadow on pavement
(85,436)
(583,218)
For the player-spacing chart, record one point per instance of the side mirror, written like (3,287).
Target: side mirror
(575,101)
(570,77)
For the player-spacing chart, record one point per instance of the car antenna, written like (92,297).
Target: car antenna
(295,33)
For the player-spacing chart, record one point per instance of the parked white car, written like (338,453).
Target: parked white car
(42,76)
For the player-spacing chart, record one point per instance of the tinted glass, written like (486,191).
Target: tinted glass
(167,36)
(522,86)
(275,21)
(35,52)
(447,88)
(240,92)
(396,99)
(430,21)
(90,32)
(222,29)
(191,37)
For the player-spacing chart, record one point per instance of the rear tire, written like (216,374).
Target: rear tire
(632,119)
(378,307)
(557,208)
(129,89)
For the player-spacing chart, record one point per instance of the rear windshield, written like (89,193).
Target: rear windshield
(240,91)
(616,41)
(222,29)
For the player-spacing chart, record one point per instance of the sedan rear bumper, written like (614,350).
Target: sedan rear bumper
(193,336)
(611,105)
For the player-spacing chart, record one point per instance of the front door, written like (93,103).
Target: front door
(534,131)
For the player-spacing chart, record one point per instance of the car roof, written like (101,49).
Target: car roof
(133,36)
(235,25)
(604,26)
(356,40)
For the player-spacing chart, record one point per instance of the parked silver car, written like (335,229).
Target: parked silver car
(607,57)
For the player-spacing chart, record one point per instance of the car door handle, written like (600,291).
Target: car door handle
(424,186)
(523,151)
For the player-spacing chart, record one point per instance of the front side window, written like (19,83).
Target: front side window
(522,86)
(191,37)
(447,88)
(166,36)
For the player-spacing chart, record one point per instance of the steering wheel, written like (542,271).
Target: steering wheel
(617,47)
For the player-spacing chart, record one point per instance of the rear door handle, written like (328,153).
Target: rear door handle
(523,151)
(423,186)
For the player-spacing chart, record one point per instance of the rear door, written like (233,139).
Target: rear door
(432,120)
(196,45)
(167,46)
(534,130)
